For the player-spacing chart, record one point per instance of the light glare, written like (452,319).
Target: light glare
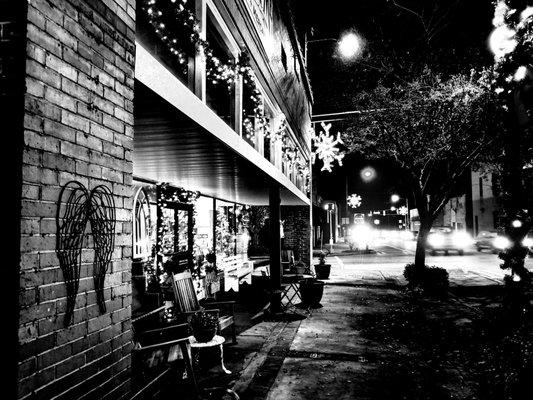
(502,41)
(349,45)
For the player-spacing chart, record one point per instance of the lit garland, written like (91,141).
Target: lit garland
(170,194)
(325,147)
(259,122)
(512,44)
(302,169)
(176,26)
(173,21)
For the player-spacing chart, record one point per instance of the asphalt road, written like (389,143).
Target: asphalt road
(391,258)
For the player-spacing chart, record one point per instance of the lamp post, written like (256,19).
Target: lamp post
(396,198)
(330,207)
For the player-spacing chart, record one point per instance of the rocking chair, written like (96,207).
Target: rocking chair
(156,353)
(187,303)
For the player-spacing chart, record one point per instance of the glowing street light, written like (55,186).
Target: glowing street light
(350,45)
(404,210)
(368,174)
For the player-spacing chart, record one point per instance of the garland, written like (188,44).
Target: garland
(170,194)
(184,24)
(177,27)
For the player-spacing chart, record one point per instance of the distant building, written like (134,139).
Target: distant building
(475,210)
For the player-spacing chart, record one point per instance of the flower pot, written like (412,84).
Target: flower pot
(300,270)
(311,291)
(204,334)
(322,271)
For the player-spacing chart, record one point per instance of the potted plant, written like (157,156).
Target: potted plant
(322,269)
(204,325)
(311,291)
(300,268)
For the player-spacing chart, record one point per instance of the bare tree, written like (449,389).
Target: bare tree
(433,131)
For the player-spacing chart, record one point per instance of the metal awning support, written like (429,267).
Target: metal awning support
(275,248)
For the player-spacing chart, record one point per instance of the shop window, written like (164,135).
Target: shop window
(242,222)
(204,240)
(220,92)
(251,101)
(225,229)
(141,226)
(176,237)
(168,36)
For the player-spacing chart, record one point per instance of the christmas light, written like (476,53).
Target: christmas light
(326,148)
(354,200)
(520,74)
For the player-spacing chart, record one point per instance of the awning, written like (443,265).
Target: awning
(170,146)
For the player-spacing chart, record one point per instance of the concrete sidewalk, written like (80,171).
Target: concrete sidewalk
(326,353)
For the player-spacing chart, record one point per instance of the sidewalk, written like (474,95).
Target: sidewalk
(370,340)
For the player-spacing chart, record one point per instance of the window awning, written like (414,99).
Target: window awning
(171,147)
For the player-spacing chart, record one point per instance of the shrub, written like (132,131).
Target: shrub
(433,280)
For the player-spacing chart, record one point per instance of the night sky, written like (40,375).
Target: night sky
(397,46)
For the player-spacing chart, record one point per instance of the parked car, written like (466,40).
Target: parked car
(528,242)
(446,239)
(491,240)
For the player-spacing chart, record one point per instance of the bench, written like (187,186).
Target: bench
(236,270)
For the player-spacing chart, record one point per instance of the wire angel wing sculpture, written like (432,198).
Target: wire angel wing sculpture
(77,207)
(102,220)
(71,220)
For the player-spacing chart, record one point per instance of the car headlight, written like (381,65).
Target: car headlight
(501,242)
(462,239)
(527,242)
(436,240)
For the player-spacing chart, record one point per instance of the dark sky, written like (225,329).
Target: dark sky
(448,35)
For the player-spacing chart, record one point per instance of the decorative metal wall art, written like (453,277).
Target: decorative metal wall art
(77,207)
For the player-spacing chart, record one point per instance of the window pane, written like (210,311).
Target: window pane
(183,230)
(167,231)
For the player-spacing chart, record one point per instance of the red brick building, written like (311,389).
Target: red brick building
(97,93)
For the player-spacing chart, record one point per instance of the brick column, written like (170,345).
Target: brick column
(297,230)
(78,125)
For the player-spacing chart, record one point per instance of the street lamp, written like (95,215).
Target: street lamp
(368,174)
(396,198)
(329,207)
(349,45)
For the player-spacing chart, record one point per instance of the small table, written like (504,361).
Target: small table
(292,281)
(216,341)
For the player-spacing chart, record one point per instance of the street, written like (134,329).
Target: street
(390,259)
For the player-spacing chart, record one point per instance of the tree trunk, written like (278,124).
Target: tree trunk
(420,254)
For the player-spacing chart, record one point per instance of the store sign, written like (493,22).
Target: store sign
(262,13)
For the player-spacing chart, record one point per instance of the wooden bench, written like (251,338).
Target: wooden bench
(237,270)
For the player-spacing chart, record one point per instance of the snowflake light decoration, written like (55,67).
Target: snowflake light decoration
(354,200)
(326,147)
(402,210)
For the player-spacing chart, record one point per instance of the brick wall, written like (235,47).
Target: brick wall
(77,126)
(297,231)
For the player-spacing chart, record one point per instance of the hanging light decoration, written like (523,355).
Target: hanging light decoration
(354,200)
(325,147)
